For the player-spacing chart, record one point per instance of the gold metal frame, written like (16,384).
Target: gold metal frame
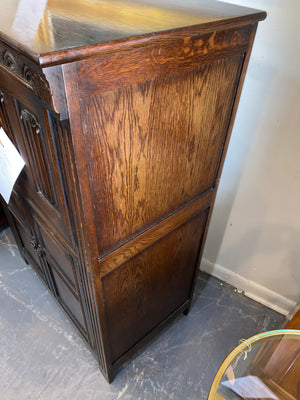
(213,395)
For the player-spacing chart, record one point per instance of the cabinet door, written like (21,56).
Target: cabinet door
(39,213)
(26,236)
(43,166)
(62,270)
(30,126)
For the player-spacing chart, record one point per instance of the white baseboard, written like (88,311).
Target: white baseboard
(251,289)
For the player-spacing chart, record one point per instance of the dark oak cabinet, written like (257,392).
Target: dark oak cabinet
(123,118)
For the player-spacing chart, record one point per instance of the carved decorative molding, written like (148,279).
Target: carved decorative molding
(30,118)
(9,61)
(26,70)
(29,76)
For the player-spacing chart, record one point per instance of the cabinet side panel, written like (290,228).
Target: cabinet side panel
(144,291)
(154,146)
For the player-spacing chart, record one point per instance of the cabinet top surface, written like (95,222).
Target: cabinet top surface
(44,26)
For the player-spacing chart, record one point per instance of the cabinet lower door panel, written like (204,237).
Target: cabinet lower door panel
(67,298)
(29,246)
(60,256)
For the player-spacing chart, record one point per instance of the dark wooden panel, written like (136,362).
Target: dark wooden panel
(141,293)
(38,154)
(34,131)
(28,244)
(67,298)
(18,205)
(149,146)
(61,258)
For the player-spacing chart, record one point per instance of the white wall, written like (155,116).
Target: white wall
(254,236)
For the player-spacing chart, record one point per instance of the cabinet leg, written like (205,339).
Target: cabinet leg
(187,309)
(109,376)
(24,258)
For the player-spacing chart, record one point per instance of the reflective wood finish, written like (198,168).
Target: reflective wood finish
(123,113)
(46,26)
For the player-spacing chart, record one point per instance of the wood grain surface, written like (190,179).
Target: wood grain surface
(151,285)
(145,63)
(152,235)
(148,146)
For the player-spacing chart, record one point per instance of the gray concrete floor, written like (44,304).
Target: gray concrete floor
(42,357)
